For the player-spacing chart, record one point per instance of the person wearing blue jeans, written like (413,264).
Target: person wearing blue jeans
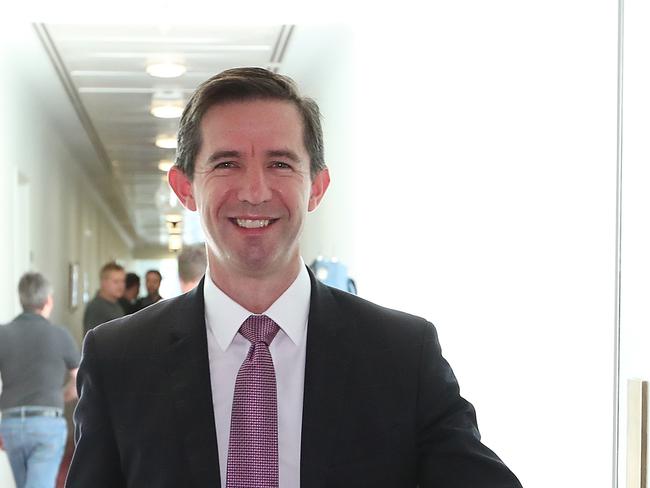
(36,360)
(34,445)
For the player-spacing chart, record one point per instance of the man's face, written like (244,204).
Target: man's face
(152,283)
(132,292)
(252,186)
(112,284)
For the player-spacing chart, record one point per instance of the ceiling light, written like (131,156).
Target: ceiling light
(166,141)
(165,165)
(175,228)
(166,70)
(173,217)
(175,242)
(167,111)
(167,104)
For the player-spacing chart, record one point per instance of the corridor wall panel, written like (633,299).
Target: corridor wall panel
(68,222)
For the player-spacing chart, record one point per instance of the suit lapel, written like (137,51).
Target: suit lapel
(329,353)
(188,367)
(328,358)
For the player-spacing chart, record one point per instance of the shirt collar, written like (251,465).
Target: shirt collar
(224,316)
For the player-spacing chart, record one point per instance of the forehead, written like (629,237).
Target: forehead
(115,274)
(267,122)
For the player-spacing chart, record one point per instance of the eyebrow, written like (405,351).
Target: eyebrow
(223,154)
(283,153)
(277,153)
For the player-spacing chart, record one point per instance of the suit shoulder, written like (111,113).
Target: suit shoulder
(148,322)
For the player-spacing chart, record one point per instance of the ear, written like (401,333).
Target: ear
(318,188)
(46,311)
(182,186)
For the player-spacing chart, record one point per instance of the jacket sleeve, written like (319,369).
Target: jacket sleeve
(96,460)
(451,454)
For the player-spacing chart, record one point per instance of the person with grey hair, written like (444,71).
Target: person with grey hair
(192,262)
(38,365)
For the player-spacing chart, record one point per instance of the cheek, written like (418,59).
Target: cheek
(296,197)
(210,202)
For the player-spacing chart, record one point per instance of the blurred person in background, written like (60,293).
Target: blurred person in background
(105,306)
(152,282)
(192,262)
(129,301)
(38,364)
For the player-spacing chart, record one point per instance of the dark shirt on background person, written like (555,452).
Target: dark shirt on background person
(100,310)
(129,301)
(38,365)
(105,306)
(129,306)
(153,279)
(35,356)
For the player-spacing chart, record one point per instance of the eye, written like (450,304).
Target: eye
(280,164)
(225,165)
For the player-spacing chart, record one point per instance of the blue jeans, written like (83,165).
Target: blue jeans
(35,448)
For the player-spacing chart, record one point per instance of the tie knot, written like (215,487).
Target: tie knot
(259,328)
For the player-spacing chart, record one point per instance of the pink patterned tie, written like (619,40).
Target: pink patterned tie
(253,448)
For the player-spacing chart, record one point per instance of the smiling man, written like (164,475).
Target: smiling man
(261,377)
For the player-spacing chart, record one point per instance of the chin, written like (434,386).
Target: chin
(260,264)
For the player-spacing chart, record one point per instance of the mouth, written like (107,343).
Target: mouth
(252,223)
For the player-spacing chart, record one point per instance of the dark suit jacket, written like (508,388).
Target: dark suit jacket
(381,405)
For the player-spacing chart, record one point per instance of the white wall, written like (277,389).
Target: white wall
(480,193)
(635,249)
(67,221)
(321,60)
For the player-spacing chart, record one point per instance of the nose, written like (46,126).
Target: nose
(254,187)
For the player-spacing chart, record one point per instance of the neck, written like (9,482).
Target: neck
(107,297)
(254,293)
(43,312)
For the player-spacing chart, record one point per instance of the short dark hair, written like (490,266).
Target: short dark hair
(108,267)
(154,271)
(132,280)
(192,262)
(244,84)
(33,291)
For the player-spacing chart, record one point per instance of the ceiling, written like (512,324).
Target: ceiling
(103,69)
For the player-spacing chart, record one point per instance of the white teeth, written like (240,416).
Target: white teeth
(252,224)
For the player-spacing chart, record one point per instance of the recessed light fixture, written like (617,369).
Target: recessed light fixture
(167,110)
(167,104)
(175,242)
(166,70)
(175,228)
(173,217)
(165,141)
(165,165)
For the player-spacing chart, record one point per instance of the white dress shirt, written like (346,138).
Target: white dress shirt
(227,350)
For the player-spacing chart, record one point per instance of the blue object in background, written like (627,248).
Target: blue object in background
(334,273)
